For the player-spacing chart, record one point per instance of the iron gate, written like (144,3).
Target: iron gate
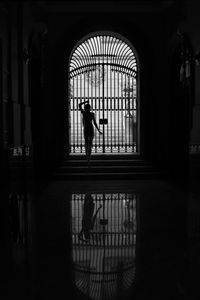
(103,71)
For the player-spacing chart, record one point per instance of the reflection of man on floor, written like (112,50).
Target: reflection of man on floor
(89,217)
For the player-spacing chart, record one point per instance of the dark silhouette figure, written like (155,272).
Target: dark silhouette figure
(88,121)
(89,217)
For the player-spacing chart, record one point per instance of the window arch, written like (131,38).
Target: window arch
(103,69)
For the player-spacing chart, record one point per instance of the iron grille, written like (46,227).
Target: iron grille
(103,70)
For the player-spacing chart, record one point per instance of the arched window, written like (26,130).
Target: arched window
(103,69)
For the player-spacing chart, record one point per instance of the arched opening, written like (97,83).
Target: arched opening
(103,69)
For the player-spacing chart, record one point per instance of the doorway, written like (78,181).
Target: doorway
(103,69)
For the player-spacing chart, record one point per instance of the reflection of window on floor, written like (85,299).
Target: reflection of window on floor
(116,218)
(104,258)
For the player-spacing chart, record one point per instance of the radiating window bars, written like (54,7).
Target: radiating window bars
(103,70)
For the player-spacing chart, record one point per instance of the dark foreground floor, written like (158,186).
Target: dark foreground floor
(144,243)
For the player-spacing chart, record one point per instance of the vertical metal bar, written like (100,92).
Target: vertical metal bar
(114,107)
(110,99)
(112,75)
(74,113)
(73,125)
(76,105)
(118,110)
(92,86)
(136,107)
(80,125)
(79,114)
(130,114)
(69,110)
(122,115)
(125,112)
(75,99)
(83,99)
(124,106)
(108,93)
(100,88)
(97,141)
(72,117)
(77,111)
(128,129)
(95,96)
(103,107)
(134,119)
(98,91)
(107,107)
(71,96)
(104,64)
(99,110)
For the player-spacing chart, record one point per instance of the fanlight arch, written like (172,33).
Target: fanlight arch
(103,69)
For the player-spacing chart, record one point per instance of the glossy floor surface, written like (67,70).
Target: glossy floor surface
(107,240)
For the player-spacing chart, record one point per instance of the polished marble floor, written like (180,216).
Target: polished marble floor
(108,240)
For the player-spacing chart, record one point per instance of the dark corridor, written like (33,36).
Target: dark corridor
(126,224)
